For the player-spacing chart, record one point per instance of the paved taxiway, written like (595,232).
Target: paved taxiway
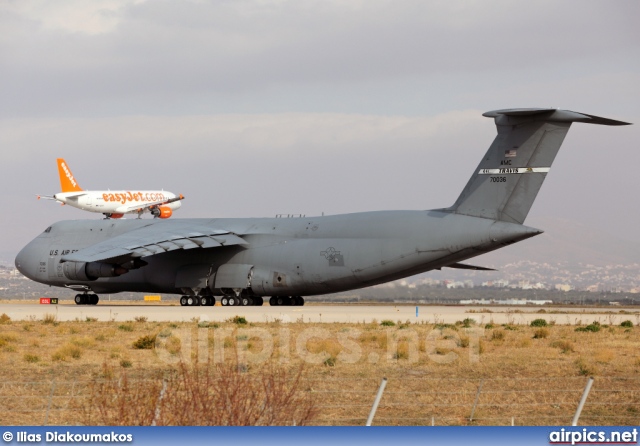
(317,313)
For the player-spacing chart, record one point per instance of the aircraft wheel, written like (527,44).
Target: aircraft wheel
(232,302)
(283,300)
(94,299)
(212,301)
(301,300)
(193,301)
(272,301)
(79,299)
(183,301)
(258,301)
(204,301)
(246,301)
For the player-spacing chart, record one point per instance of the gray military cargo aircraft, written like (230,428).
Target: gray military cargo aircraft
(243,260)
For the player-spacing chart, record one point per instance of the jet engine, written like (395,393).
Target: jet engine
(161,212)
(84,271)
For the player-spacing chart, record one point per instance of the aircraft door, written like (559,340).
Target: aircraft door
(54,268)
(194,277)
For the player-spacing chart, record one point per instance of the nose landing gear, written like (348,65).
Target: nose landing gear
(86,299)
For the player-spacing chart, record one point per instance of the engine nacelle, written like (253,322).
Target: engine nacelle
(84,271)
(116,216)
(161,211)
(165,212)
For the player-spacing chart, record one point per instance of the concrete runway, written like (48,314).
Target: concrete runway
(320,313)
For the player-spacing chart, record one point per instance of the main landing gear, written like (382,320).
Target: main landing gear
(286,300)
(195,301)
(86,299)
(242,301)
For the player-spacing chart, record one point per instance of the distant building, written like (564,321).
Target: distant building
(505,302)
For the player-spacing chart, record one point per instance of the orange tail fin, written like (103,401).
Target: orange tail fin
(67,182)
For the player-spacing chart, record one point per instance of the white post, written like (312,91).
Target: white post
(376,402)
(475,404)
(583,400)
(46,417)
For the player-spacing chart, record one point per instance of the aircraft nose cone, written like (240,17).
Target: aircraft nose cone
(26,262)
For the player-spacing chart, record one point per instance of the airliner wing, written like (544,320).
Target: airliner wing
(154,239)
(147,206)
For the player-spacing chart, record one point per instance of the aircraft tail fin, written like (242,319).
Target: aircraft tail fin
(67,181)
(507,180)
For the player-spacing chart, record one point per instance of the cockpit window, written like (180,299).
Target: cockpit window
(48,230)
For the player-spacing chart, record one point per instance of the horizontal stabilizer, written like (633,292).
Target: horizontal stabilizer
(465,266)
(553,114)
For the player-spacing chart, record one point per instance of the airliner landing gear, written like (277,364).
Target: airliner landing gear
(86,299)
(276,301)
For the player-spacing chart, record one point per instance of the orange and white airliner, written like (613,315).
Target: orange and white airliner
(113,203)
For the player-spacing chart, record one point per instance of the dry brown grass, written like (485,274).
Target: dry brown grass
(432,371)
(202,394)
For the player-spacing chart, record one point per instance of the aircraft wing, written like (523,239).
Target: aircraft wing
(151,240)
(146,206)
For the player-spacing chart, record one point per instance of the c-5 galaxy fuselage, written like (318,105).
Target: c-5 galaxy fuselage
(244,260)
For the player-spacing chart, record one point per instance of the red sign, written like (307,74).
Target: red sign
(45,300)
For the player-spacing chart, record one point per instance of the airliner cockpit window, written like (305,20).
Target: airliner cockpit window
(47,230)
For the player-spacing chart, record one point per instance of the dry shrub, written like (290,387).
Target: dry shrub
(84,341)
(202,395)
(330,346)
(402,351)
(603,356)
(49,318)
(497,335)
(4,318)
(31,358)
(585,367)
(8,337)
(564,345)
(540,333)
(67,351)
(146,342)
